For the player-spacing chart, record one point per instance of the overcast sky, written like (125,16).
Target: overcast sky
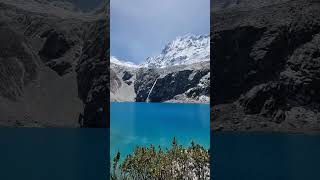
(141,28)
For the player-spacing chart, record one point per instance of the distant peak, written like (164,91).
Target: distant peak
(186,49)
(115,60)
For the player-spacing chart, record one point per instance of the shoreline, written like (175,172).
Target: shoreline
(165,102)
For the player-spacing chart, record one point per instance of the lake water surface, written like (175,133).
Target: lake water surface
(265,156)
(133,124)
(50,154)
(54,153)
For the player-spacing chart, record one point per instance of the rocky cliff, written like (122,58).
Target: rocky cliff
(48,50)
(266,66)
(187,83)
(184,84)
(181,73)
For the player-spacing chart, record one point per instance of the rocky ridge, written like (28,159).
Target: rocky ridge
(266,66)
(52,48)
(187,49)
(184,83)
(167,77)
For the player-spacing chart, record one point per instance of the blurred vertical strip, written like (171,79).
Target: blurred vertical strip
(211,91)
(93,72)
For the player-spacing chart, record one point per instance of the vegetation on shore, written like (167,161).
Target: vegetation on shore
(177,162)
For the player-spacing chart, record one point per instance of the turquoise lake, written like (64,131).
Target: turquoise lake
(133,124)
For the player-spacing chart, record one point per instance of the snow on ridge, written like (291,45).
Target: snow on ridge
(187,49)
(115,60)
(184,50)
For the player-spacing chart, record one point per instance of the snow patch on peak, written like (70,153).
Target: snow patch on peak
(187,49)
(116,61)
(184,50)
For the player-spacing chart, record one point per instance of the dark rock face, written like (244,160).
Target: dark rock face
(126,76)
(266,67)
(93,75)
(176,83)
(232,61)
(160,85)
(188,83)
(54,63)
(243,4)
(61,67)
(55,46)
(263,98)
(18,66)
(145,78)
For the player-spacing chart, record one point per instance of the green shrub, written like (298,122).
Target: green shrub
(176,162)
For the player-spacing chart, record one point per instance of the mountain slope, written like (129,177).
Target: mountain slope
(39,85)
(122,78)
(184,83)
(266,67)
(114,60)
(167,77)
(186,49)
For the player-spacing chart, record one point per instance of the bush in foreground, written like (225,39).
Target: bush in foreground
(155,163)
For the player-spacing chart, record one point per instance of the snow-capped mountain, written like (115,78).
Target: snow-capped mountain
(123,63)
(183,50)
(156,80)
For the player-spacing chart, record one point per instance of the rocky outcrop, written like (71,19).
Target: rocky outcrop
(161,86)
(266,66)
(122,80)
(51,50)
(93,75)
(18,66)
(179,74)
(184,83)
